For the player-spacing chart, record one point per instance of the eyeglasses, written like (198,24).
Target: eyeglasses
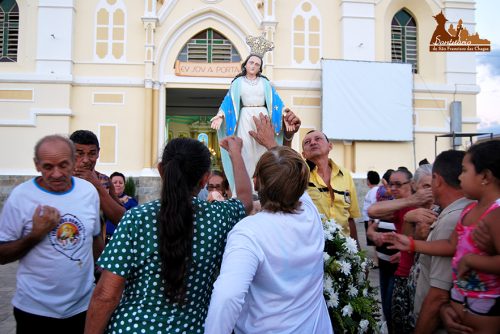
(214,187)
(398,184)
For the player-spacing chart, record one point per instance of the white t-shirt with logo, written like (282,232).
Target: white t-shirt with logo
(55,278)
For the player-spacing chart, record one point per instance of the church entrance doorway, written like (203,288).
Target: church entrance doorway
(188,113)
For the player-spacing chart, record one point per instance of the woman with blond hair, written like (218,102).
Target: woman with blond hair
(271,278)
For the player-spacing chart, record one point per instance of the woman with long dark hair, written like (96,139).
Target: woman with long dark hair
(164,256)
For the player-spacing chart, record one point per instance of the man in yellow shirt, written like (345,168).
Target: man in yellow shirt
(330,186)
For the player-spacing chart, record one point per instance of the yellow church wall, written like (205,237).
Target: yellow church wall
(22,104)
(97,72)
(109,98)
(381,156)
(87,64)
(127,118)
(17,150)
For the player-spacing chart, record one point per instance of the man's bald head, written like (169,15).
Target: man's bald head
(51,139)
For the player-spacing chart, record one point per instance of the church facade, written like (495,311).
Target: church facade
(140,72)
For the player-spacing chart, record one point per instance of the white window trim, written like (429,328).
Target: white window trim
(103,4)
(313,12)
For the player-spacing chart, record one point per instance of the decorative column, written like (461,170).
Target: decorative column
(268,25)
(349,155)
(148,116)
(150,20)
(155,124)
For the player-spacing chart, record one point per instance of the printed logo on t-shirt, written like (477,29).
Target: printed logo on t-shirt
(69,236)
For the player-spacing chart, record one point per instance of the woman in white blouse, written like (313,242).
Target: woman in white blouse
(271,280)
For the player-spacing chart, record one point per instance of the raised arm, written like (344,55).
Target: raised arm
(291,125)
(386,209)
(241,179)
(264,132)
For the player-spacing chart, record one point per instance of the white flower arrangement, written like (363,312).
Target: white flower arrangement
(351,301)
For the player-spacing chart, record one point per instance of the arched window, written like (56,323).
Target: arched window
(306,35)
(404,39)
(111,31)
(9,30)
(209,46)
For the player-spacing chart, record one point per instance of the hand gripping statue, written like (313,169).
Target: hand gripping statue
(249,95)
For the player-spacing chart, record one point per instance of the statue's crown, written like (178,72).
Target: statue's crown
(259,45)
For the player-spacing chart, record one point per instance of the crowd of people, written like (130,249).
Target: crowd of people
(244,250)
(437,243)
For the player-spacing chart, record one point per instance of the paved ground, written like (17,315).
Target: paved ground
(7,287)
(8,284)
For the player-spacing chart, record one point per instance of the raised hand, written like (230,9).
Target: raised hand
(292,122)
(423,197)
(231,144)
(264,132)
(87,175)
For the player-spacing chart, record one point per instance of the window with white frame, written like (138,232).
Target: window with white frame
(404,39)
(306,35)
(9,30)
(209,46)
(110,31)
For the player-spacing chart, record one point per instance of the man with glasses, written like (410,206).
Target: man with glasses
(330,186)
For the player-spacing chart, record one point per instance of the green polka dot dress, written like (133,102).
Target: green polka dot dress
(133,254)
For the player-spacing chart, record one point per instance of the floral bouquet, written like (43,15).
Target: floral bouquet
(351,301)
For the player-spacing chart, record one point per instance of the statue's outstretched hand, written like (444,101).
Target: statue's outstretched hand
(216,122)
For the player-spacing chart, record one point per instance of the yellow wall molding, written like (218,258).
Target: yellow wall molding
(17,95)
(306,101)
(429,104)
(34,113)
(108,134)
(108,98)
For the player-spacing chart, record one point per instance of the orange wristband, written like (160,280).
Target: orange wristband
(412,245)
